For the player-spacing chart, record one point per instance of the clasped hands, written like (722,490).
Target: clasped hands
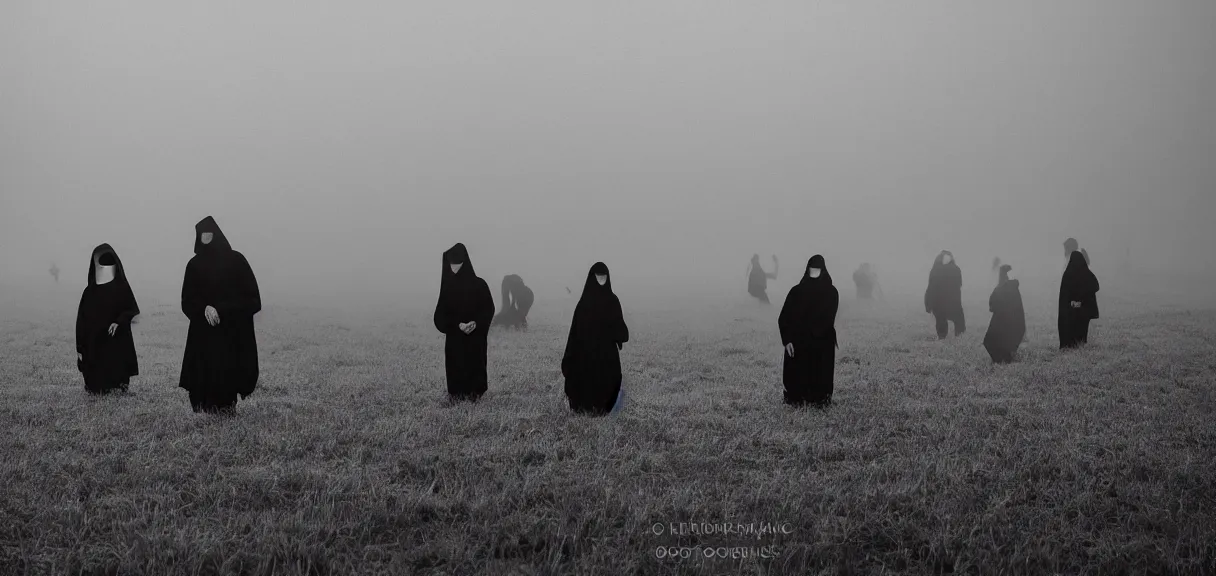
(213,317)
(468,327)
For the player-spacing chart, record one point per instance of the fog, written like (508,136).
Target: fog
(342,147)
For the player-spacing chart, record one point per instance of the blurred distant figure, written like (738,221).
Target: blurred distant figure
(1085,253)
(105,348)
(1008,325)
(808,332)
(996,269)
(867,283)
(757,278)
(516,301)
(1070,246)
(463,314)
(944,297)
(591,363)
(55,272)
(220,297)
(1078,302)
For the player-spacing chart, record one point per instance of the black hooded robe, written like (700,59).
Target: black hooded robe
(757,280)
(106,362)
(944,296)
(220,362)
(1077,285)
(517,300)
(1008,325)
(464,297)
(808,321)
(591,363)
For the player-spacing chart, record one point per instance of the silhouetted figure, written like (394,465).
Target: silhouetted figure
(757,278)
(1078,302)
(944,297)
(220,296)
(516,301)
(1008,325)
(1070,246)
(808,333)
(463,314)
(55,272)
(867,282)
(105,348)
(591,363)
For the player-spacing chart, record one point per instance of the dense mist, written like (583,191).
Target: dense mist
(343,146)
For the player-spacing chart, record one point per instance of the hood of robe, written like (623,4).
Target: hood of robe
(456,254)
(1005,274)
(106,252)
(824,278)
(218,241)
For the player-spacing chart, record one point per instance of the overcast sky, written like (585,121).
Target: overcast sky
(342,146)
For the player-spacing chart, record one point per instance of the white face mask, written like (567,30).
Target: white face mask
(456,267)
(814,272)
(206,237)
(105,274)
(946,259)
(601,278)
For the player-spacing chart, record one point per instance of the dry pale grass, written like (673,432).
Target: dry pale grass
(347,461)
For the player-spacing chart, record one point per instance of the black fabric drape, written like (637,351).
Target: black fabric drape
(464,297)
(944,296)
(107,362)
(1077,285)
(1008,325)
(808,321)
(591,363)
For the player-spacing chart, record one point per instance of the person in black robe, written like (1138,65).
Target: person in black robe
(867,282)
(808,332)
(944,297)
(757,278)
(1078,302)
(591,364)
(219,296)
(463,314)
(1008,325)
(516,301)
(105,347)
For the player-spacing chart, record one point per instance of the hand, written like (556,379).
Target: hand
(113,328)
(789,349)
(213,317)
(79,357)
(1075,304)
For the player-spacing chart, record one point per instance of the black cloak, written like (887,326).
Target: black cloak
(106,362)
(592,362)
(808,321)
(1077,285)
(517,299)
(1008,325)
(464,297)
(221,361)
(757,279)
(944,296)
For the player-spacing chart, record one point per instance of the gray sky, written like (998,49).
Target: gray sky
(343,146)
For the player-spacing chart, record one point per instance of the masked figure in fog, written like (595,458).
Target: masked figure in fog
(1008,325)
(757,278)
(1078,303)
(463,314)
(105,347)
(592,361)
(808,332)
(516,301)
(220,297)
(944,296)
(866,282)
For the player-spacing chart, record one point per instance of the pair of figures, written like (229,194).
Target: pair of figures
(591,364)
(219,296)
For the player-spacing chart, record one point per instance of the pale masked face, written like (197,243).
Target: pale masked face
(601,279)
(814,272)
(946,259)
(456,267)
(206,237)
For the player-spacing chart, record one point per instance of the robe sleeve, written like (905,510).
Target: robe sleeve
(244,299)
(192,305)
(485,309)
(81,329)
(992,301)
(620,331)
(784,319)
(442,323)
(129,311)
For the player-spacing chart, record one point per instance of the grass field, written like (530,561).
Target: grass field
(347,461)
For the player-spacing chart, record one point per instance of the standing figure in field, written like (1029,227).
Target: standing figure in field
(516,301)
(944,297)
(808,332)
(867,283)
(105,348)
(55,272)
(1008,325)
(463,314)
(1078,302)
(592,361)
(757,278)
(220,296)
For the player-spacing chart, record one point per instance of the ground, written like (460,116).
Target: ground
(346,460)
